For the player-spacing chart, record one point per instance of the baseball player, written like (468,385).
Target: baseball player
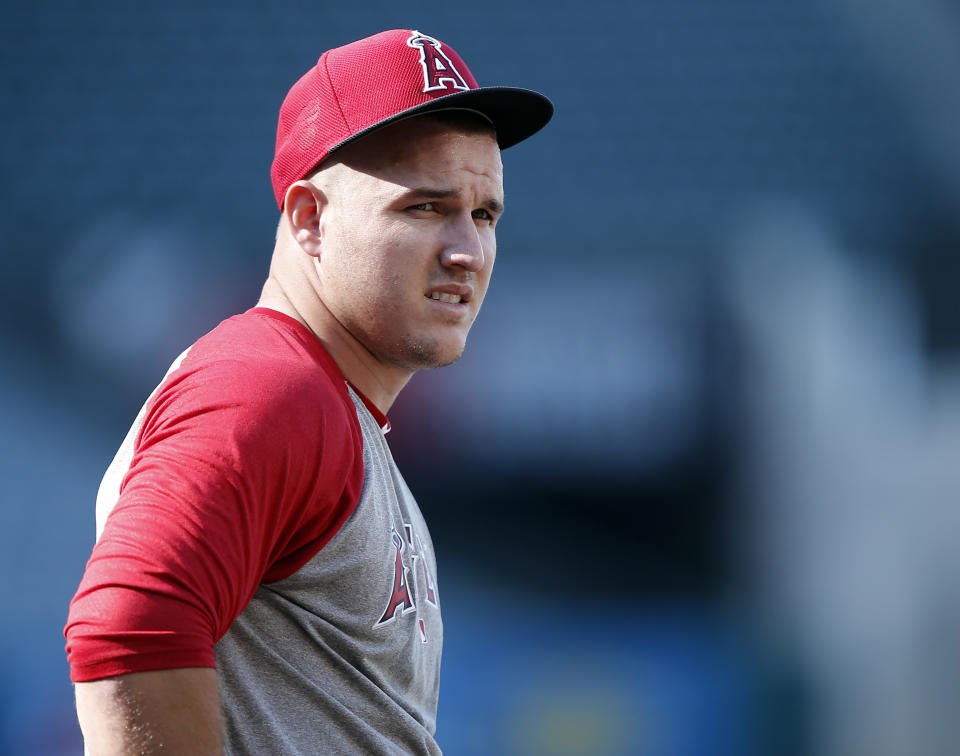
(263,581)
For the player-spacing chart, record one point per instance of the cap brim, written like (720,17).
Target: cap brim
(514,112)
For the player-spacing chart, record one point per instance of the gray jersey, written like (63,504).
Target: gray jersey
(343,656)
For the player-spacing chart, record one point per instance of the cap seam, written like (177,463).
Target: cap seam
(336,95)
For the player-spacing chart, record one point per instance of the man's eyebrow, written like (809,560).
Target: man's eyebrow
(495,206)
(492,204)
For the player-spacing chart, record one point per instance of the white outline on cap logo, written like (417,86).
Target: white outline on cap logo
(439,68)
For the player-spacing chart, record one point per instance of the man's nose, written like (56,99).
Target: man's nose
(463,247)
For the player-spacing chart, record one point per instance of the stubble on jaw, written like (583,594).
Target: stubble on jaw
(420,356)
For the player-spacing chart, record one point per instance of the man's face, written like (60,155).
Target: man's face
(408,239)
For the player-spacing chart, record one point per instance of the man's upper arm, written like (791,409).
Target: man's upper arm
(164,711)
(235,480)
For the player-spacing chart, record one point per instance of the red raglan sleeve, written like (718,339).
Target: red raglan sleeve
(240,474)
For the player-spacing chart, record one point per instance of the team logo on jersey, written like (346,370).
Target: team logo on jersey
(400,598)
(438,69)
(405,592)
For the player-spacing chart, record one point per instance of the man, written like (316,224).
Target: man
(263,581)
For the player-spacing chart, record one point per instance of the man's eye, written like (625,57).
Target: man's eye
(482,214)
(424,206)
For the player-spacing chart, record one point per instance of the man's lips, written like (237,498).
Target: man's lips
(451,293)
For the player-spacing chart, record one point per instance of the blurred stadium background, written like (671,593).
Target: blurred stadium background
(693,487)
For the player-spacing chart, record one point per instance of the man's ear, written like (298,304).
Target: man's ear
(303,206)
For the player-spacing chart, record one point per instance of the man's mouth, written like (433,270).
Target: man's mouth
(444,297)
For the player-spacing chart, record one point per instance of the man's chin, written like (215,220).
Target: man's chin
(421,356)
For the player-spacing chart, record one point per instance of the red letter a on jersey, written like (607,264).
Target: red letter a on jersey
(401,594)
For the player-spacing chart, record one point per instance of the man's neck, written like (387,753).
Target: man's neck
(378,382)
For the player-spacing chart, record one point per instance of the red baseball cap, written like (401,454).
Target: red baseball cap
(367,84)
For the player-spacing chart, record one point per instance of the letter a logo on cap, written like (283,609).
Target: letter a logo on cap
(437,67)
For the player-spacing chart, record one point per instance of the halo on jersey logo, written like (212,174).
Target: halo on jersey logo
(438,70)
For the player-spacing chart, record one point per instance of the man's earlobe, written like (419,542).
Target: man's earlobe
(303,207)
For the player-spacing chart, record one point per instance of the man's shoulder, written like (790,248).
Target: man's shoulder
(262,363)
(266,346)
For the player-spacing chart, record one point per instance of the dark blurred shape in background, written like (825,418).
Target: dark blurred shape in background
(694,484)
